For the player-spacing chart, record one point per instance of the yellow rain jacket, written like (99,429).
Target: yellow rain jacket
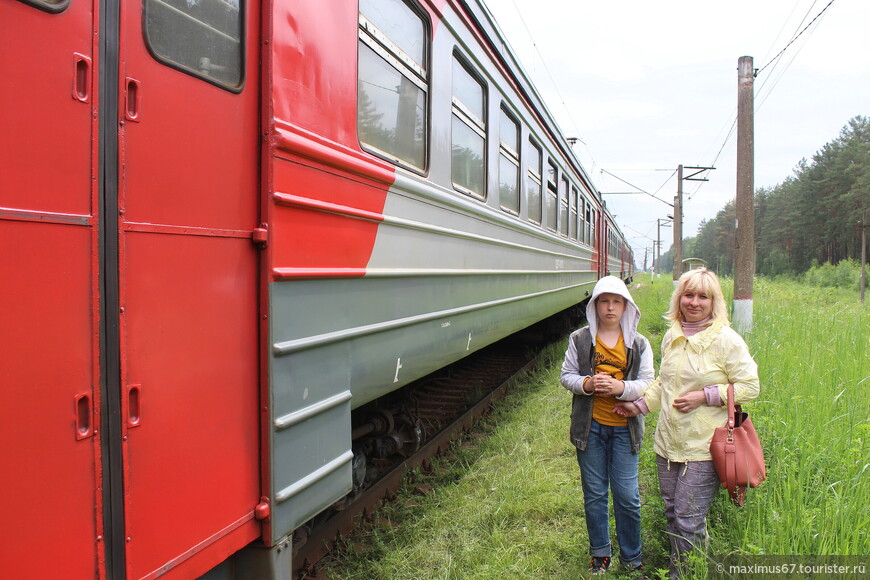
(715,356)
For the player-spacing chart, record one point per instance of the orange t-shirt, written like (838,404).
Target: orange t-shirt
(614,362)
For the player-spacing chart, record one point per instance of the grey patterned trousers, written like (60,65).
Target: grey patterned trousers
(687,489)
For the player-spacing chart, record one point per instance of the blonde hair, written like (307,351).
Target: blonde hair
(703,281)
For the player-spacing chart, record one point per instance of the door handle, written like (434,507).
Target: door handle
(81,78)
(133,407)
(84,428)
(131,100)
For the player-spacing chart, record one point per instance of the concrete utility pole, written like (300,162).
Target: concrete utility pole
(744,255)
(678,214)
(678,226)
(659,223)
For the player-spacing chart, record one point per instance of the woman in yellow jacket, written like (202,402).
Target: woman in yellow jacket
(701,356)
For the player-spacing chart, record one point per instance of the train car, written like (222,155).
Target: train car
(228,224)
(620,257)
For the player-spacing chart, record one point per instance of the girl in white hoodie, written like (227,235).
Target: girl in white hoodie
(607,362)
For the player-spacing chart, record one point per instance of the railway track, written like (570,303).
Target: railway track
(437,408)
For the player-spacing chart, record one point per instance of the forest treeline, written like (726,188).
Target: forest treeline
(813,217)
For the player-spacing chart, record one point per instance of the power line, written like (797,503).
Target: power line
(770,84)
(793,39)
(553,81)
(763,98)
(639,190)
(785,23)
(722,148)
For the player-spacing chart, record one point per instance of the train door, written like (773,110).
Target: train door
(187,206)
(49,296)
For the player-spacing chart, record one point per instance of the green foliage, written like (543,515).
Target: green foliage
(507,500)
(507,505)
(813,417)
(846,274)
(813,215)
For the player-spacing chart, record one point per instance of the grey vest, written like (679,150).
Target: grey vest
(581,407)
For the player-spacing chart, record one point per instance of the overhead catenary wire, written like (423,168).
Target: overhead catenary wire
(781,52)
(793,36)
(773,61)
(733,117)
(785,49)
(552,80)
(640,190)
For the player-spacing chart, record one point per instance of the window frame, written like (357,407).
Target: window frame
(564,188)
(417,73)
(461,112)
(573,217)
(510,155)
(181,67)
(46,6)
(534,175)
(551,203)
(593,215)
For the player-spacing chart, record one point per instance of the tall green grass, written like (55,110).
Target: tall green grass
(506,501)
(813,417)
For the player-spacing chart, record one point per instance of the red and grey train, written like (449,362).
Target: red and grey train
(226,225)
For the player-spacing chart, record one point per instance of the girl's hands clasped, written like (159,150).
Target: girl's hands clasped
(604,384)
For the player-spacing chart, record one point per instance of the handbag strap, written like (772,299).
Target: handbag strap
(730,455)
(731,421)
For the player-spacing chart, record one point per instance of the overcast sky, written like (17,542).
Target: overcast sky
(648,86)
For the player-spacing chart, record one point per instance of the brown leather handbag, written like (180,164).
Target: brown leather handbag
(737,453)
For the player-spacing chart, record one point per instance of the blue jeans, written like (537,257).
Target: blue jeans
(606,463)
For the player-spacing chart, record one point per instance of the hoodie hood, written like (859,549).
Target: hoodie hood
(629,320)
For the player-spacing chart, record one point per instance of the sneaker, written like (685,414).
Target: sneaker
(599,565)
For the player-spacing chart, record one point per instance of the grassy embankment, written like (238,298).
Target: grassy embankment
(506,501)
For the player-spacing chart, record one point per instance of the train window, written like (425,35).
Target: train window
(397,27)
(551,202)
(572,219)
(586,219)
(509,164)
(49,5)
(551,175)
(563,207)
(593,219)
(469,131)
(533,182)
(199,37)
(392,85)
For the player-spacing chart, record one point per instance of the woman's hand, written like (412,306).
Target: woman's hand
(689,401)
(604,384)
(626,409)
